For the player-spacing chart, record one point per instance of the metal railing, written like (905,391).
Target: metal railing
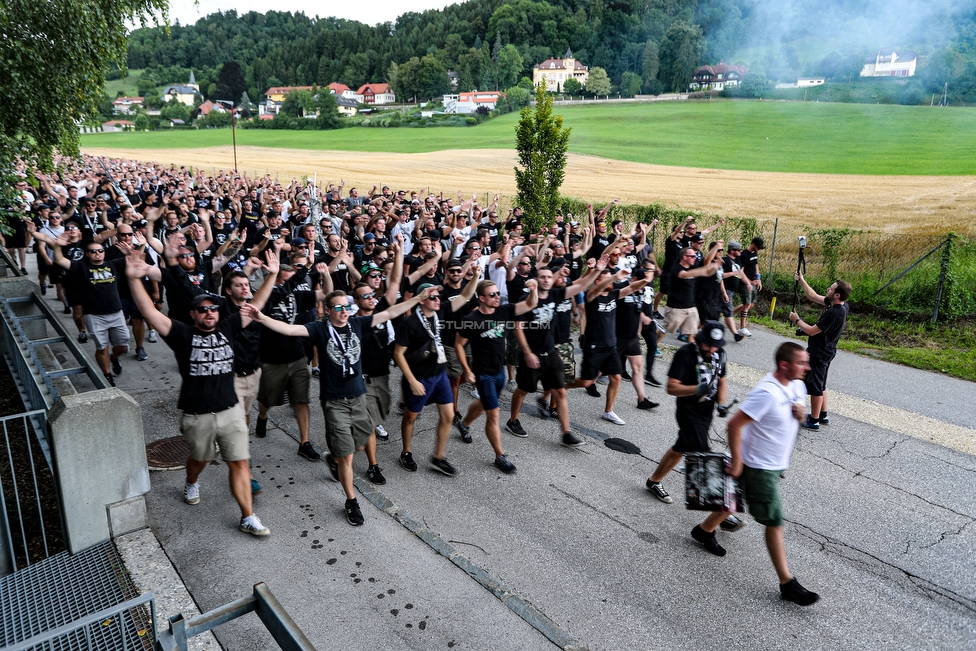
(112,628)
(8,266)
(24,536)
(276,619)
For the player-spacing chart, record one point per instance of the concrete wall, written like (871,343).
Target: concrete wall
(100,453)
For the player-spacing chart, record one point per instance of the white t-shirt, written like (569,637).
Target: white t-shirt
(767,442)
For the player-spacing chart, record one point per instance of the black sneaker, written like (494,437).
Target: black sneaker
(353,513)
(823,420)
(503,464)
(375,475)
(457,418)
(67,309)
(653,381)
(515,427)
(316,372)
(141,354)
(464,431)
(658,315)
(796,593)
(708,540)
(334,467)
(406,460)
(570,440)
(543,408)
(658,491)
(625,375)
(683,338)
(443,466)
(306,450)
(738,337)
(553,412)
(261,428)
(647,404)
(593,391)
(810,423)
(732,523)
(44,289)
(116,365)
(110,379)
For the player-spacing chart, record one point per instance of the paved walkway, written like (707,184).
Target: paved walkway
(573,552)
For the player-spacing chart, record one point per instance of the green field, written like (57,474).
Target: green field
(126,85)
(735,135)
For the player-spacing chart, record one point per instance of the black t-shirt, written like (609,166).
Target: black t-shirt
(517,291)
(333,384)
(690,370)
(708,288)
(562,320)
(672,251)
(601,321)
(221,235)
(628,316)
(206,363)
(831,324)
(750,263)
(98,286)
(283,306)
(247,343)
(600,243)
(377,351)
(420,353)
(682,294)
(538,322)
(486,332)
(340,277)
(729,266)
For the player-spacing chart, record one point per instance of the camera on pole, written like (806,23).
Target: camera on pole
(801,263)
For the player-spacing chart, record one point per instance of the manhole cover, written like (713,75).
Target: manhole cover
(621,445)
(167,454)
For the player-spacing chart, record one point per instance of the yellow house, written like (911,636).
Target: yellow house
(277,93)
(183,93)
(557,71)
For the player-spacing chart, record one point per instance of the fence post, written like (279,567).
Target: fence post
(943,269)
(772,251)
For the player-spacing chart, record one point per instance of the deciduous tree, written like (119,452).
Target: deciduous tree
(598,83)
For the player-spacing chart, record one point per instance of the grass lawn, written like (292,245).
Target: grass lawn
(127,85)
(740,135)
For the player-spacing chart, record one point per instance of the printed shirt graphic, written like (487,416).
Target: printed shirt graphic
(333,386)
(206,363)
(486,332)
(538,323)
(98,285)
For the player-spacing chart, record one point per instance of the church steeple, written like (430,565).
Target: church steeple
(193,80)
(569,53)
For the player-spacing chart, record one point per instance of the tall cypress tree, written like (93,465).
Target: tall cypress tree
(541,142)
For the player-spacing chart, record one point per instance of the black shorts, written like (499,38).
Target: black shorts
(665,285)
(604,359)
(130,310)
(692,433)
(550,373)
(43,268)
(816,379)
(629,347)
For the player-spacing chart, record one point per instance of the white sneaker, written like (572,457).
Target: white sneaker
(191,493)
(745,331)
(511,386)
(613,418)
(152,336)
(252,525)
(382,436)
(474,394)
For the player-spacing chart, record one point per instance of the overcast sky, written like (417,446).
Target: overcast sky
(366,11)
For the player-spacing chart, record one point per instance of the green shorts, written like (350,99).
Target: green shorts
(761,490)
(347,425)
(378,399)
(453,364)
(225,428)
(567,353)
(513,352)
(278,378)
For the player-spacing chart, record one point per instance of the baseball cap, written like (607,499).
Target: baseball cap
(712,333)
(734,246)
(758,241)
(199,300)
(368,237)
(697,237)
(424,286)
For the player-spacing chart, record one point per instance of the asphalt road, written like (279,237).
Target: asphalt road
(573,552)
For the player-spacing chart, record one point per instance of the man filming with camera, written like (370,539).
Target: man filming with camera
(822,346)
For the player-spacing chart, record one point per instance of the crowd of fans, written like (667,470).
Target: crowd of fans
(269,288)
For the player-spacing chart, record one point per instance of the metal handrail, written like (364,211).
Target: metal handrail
(95,618)
(269,610)
(9,263)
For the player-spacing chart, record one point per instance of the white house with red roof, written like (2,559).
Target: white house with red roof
(465,103)
(341,90)
(717,77)
(118,125)
(375,94)
(557,71)
(126,105)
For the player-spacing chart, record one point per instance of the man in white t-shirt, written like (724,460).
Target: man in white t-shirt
(761,438)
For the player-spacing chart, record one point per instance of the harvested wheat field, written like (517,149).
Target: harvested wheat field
(896,204)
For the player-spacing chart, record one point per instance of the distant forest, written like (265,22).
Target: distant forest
(649,46)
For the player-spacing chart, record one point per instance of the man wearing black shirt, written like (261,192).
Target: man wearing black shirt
(682,314)
(421,354)
(749,290)
(485,328)
(97,282)
(212,412)
(343,390)
(732,279)
(539,360)
(697,379)
(824,335)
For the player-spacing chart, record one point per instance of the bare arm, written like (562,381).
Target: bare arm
(400,308)
(282,328)
(135,268)
(260,298)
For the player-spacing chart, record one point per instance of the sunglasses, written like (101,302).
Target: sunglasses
(367,296)
(203,309)
(492,294)
(433,298)
(71,228)
(94,251)
(184,256)
(375,276)
(341,308)
(125,234)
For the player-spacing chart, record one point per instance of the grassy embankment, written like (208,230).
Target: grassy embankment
(737,135)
